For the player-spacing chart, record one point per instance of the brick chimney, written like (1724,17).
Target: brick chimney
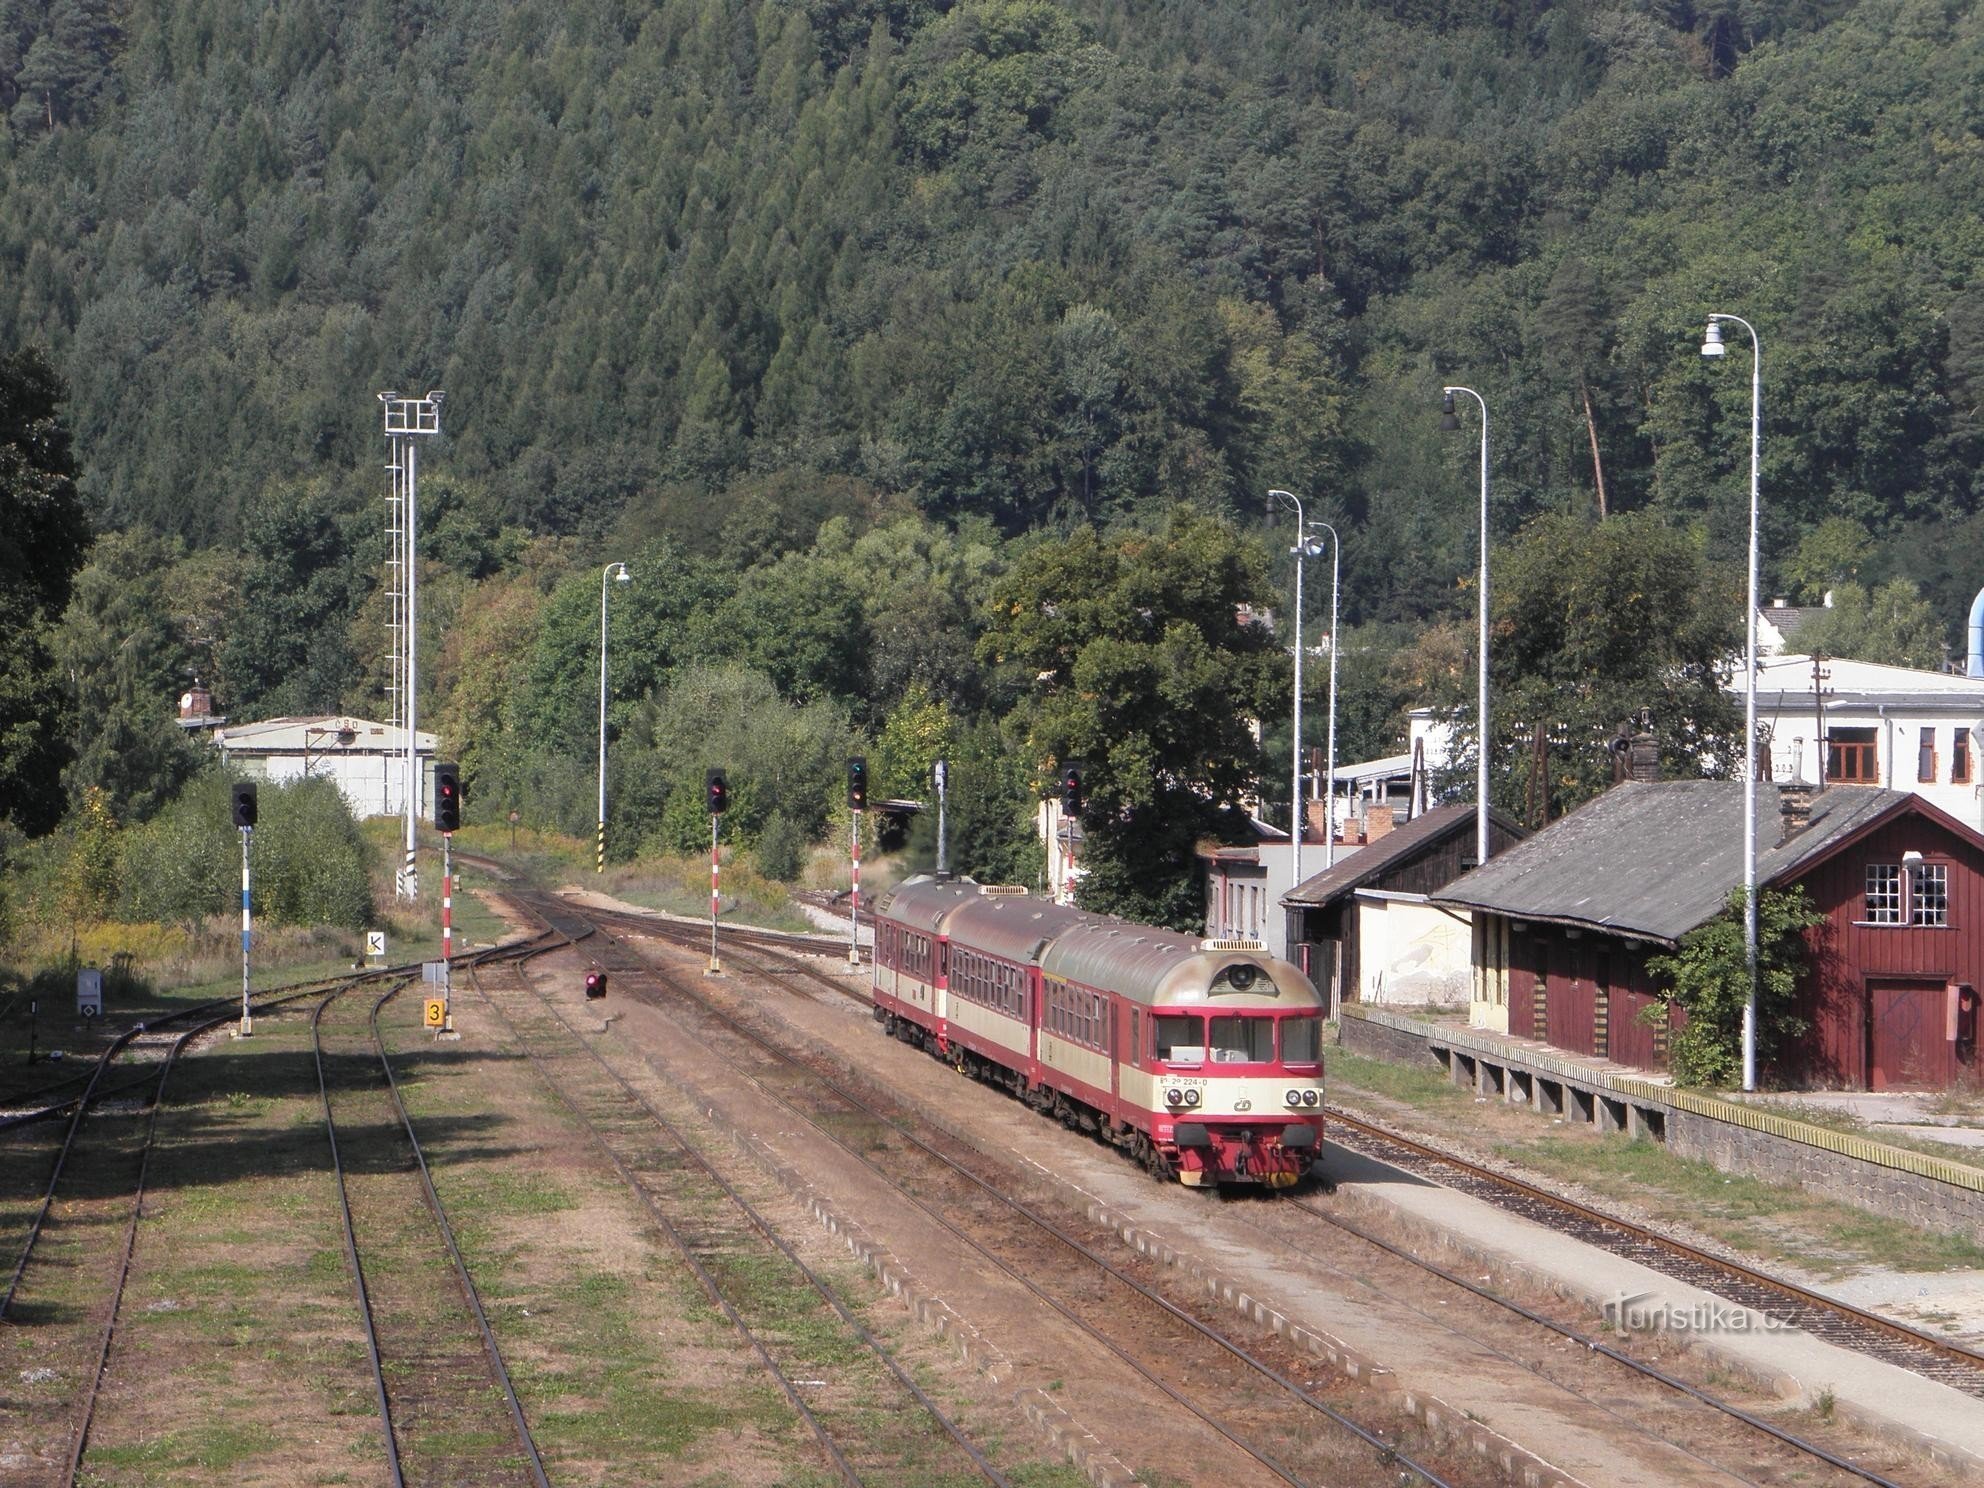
(1794,805)
(1643,758)
(1378,820)
(196,702)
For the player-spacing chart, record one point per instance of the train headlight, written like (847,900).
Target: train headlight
(1293,1098)
(1310,1098)
(1174,1096)
(1191,1097)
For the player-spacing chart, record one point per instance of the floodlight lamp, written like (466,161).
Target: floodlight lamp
(621,576)
(1712,342)
(1449,421)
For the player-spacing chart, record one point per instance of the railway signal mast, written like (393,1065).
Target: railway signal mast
(408,421)
(716,787)
(447,821)
(242,802)
(857,802)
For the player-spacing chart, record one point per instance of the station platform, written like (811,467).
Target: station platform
(1927,1419)
(1932,1191)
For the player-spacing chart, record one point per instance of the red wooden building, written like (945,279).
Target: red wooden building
(1565,923)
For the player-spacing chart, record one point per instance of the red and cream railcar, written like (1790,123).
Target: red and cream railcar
(1202,1059)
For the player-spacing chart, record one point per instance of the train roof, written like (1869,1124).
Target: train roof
(922,902)
(1014,926)
(1153,966)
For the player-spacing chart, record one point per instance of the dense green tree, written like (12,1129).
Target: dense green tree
(43,538)
(1890,624)
(1595,625)
(126,662)
(1142,666)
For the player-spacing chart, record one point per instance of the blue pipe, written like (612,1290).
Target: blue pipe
(1976,665)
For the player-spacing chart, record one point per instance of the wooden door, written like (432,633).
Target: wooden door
(1906,1036)
(1570,1004)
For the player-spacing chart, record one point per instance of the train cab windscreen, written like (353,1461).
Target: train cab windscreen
(1179,1039)
(1243,1040)
(1302,1039)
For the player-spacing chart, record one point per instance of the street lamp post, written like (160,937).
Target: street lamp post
(1712,347)
(1297,816)
(1329,776)
(1448,420)
(618,572)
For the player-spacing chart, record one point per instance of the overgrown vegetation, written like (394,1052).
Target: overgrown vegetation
(1708,979)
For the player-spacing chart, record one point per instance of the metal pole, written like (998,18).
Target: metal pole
(943,779)
(1481,662)
(247,1022)
(1750,698)
(1298,819)
(854,897)
(1329,814)
(412,665)
(1481,656)
(600,865)
(715,965)
(447,932)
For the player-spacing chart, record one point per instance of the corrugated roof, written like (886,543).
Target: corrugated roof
(1655,859)
(1349,874)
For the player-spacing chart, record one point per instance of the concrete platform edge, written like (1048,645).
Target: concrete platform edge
(1785,1386)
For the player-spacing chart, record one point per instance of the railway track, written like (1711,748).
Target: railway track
(1832,1321)
(66,1286)
(725,1248)
(1286,1430)
(1823,1317)
(448,1411)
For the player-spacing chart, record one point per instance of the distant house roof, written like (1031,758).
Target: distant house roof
(1785,619)
(1653,860)
(322,733)
(1785,682)
(1348,875)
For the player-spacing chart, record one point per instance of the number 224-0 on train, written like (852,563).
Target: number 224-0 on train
(1203,1059)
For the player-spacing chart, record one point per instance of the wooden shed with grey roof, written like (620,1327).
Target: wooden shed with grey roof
(1566,921)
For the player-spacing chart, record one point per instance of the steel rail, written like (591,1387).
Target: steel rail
(1689,1255)
(469,1294)
(351,1248)
(758,1221)
(79,1437)
(1598,1346)
(1041,1222)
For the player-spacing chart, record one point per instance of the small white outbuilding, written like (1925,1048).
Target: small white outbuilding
(366,760)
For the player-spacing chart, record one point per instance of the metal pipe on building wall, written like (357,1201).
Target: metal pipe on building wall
(1975,665)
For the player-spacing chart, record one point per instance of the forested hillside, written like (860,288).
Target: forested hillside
(701,276)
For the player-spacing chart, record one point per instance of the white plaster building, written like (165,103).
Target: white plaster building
(1896,727)
(365,759)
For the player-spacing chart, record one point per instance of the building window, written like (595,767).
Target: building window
(1883,893)
(1928,894)
(1925,758)
(1851,757)
(1960,757)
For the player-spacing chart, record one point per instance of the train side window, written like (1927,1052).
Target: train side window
(1179,1040)
(1302,1039)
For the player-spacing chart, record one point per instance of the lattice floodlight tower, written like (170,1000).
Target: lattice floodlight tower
(408,421)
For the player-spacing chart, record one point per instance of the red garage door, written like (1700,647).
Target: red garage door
(1907,1042)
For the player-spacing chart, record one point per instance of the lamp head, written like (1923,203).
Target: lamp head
(621,575)
(1712,341)
(1448,420)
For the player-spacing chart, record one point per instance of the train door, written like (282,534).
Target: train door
(1033,1001)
